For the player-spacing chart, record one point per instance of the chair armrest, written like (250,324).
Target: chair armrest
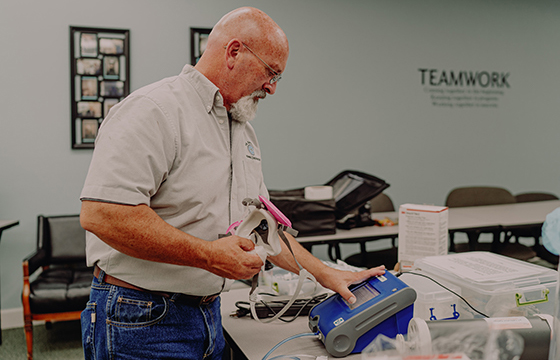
(30,264)
(35,261)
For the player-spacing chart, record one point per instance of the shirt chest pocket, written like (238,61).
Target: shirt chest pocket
(252,173)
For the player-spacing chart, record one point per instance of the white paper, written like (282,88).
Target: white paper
(481,266)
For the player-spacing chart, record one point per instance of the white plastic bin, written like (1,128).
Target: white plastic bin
(434,302)
(494,284)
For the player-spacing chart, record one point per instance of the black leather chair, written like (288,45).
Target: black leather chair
(534,196)
(485,195)
(477,196)
(56,281)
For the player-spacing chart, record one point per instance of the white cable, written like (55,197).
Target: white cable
(303,274)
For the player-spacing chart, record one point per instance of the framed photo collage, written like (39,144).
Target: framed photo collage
(99,79)
(199,38)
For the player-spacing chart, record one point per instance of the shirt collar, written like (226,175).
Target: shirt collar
(208,92)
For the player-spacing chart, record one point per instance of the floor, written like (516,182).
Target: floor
(62,341)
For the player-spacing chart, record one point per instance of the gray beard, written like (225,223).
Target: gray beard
(245,109)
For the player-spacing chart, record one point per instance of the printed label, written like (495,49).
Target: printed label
(504,323)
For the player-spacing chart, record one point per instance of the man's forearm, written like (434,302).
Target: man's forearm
(286,261)
(139,232)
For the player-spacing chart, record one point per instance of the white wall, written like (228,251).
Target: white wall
(351,97)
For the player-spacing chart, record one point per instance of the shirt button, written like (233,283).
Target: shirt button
(222,122)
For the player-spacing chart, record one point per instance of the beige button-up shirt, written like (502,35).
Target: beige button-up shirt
(170,145)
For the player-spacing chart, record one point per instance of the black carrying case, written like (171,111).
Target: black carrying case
(308,217)
(351,189)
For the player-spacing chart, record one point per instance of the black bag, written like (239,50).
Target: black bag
(308,217)
(352,189)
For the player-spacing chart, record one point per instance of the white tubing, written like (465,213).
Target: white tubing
(303,274)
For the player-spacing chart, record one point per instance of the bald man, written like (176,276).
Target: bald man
(171,166)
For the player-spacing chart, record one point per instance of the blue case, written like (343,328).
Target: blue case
(384,306)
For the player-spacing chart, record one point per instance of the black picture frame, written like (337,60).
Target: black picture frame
(99,78)
(199,37)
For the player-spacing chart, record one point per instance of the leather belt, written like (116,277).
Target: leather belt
(180,298)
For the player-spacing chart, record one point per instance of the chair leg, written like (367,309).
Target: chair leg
(537,243)
(451,241)
(497,241)
(336,248)
(364,253)
(473,239)
(29,336)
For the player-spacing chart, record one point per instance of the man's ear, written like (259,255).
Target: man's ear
(232,52)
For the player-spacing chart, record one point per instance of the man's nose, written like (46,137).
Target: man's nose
(270,88)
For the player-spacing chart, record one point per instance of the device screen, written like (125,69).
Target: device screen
(363,294)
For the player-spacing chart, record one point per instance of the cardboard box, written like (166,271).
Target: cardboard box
(422,232)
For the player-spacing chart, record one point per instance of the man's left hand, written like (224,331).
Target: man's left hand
(339,280)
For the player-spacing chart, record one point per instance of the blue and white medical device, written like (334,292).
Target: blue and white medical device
(384,305)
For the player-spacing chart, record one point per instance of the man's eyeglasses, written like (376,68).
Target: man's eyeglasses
(277,76)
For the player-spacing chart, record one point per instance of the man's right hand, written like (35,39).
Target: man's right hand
(229,257)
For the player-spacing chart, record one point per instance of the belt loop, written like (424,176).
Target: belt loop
(101,276)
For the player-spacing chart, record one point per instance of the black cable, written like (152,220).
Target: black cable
(299,306)
(448,289)
(314,300)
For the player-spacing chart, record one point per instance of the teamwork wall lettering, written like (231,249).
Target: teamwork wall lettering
(464,88)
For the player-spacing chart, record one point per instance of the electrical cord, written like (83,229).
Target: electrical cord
(286,340)
(448,289)
(271,308)
(299,357)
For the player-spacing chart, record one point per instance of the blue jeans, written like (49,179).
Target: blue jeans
(120,323)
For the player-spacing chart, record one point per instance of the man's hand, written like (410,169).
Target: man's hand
(336,280)
(339,280)
(229,257)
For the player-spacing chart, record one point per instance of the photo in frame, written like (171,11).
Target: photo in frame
(89,130)
(99,79)
(199,39)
